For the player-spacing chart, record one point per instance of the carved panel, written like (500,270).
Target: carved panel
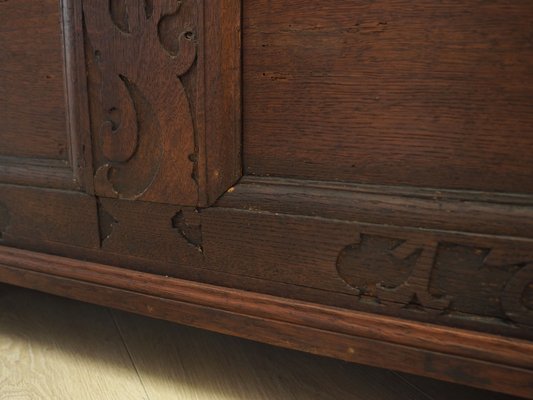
(440,276)
(147,63)
(394,271)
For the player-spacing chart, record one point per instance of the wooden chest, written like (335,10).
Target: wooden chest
(347,178)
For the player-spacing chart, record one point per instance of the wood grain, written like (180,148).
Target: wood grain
(44,129)
(51,349)
(177,362)
(305,241)
(172,361)
(164,90)
(390,149)
(394,330)
(222,96)
(32,80)
(464,211)
(433,94)
(48,216)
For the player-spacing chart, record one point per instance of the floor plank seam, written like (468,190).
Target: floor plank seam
(130,355)
(413,385)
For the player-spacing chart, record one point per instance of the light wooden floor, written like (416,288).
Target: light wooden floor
(53,348)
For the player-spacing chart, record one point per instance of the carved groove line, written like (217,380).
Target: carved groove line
(4,219)
(188,225)
(106,223)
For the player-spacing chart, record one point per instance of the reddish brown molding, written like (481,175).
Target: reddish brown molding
(477,359)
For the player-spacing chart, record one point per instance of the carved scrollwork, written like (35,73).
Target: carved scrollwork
(144,129)
(132,227)
(439,276)
(394,271)
(517,298)
(188,224)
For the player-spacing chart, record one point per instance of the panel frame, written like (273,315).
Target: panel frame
(71,174)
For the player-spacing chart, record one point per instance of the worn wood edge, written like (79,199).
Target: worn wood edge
(76,102)
(477,359)
(404,191)
(496,214)
(221,47)
(53,176)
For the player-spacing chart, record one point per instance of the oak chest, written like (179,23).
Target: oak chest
(347,178)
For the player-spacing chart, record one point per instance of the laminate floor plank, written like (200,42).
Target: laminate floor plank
(178,362)
(439,390)
(53,348)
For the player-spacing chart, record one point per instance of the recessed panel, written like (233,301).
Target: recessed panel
(32,81)
(429,94)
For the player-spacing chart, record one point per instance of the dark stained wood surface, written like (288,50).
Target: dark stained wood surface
(253,241)
(222,111)
(46,215)
(44,129)
(428,93)
(418,208)
(32,81)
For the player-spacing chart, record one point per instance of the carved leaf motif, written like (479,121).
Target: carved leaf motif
(106,223)
(187,223)
(131,228)
(434,277)
(371,263)
(394,271)
(517,298)
(119,131)
(146,133)
(131,181)
(174,24)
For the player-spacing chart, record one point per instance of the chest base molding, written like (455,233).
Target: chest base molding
(456,355)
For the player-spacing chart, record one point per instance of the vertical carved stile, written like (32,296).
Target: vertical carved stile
(146,77)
